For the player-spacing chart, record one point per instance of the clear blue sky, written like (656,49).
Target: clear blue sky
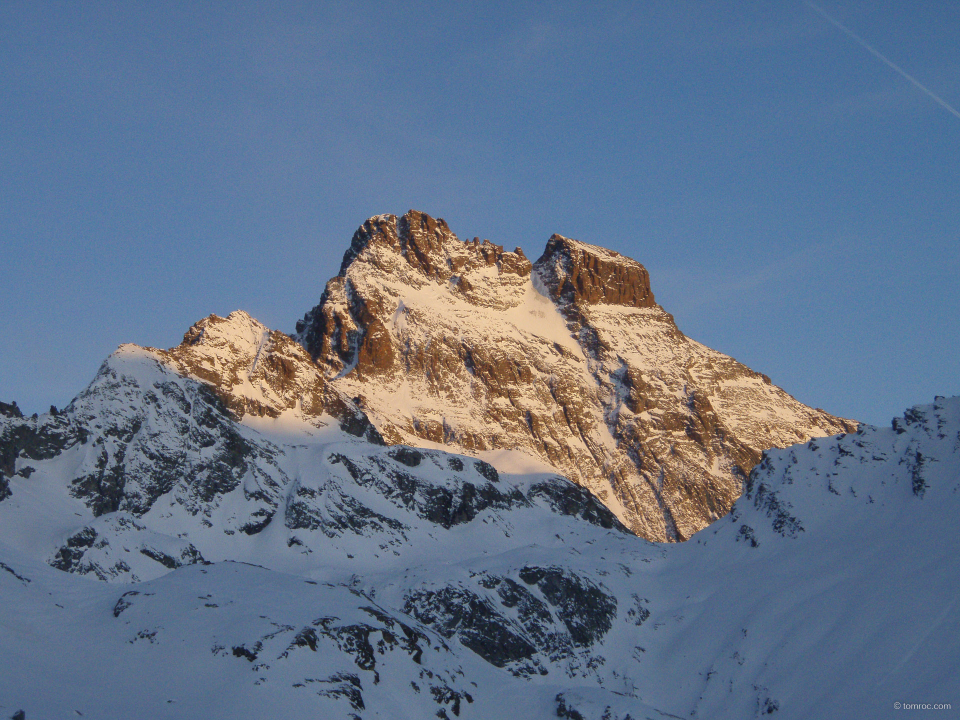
(796,200)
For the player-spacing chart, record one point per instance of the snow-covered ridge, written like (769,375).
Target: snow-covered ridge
(817,485)
(403,582)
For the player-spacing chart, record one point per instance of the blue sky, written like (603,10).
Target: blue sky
(796,201)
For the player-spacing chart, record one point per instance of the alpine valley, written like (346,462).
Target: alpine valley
(471,486)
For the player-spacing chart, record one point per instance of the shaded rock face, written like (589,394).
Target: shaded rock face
(10,410)
(547,616)
(28,440)
(132,458)
(465,495)
(569,359)
(141,432)
(102,550)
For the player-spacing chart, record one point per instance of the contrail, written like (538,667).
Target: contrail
(876,53)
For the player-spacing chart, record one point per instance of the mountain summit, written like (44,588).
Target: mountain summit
(568,359)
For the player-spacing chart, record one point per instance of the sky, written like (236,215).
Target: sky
(787,173)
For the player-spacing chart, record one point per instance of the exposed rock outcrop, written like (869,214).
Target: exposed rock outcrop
(579,274)
(256,371)
(10,410)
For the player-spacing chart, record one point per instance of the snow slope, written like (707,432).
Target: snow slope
(300,570)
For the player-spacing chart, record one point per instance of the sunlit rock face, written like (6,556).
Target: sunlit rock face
(568,359)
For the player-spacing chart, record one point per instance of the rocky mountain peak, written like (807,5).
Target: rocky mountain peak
(388,256)
(577,273)
(236,327)
(255,370)
(424,339)
(416,241)
(465,345)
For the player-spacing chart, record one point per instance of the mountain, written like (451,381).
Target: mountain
(429,341)
(252,524)
(445,343)
(426,340)
(155,463)
(289,568)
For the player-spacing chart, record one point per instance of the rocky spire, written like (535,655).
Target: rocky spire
(10,410)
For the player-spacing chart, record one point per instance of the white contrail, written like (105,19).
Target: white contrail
(876,53)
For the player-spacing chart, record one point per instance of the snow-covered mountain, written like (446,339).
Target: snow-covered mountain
(255,525)
(285,568)
(429,341)
(569,359)
(426,340)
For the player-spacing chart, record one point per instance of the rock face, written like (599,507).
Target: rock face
(578,274)
(141,432)
(10,410)
(257,372)
(568,359)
